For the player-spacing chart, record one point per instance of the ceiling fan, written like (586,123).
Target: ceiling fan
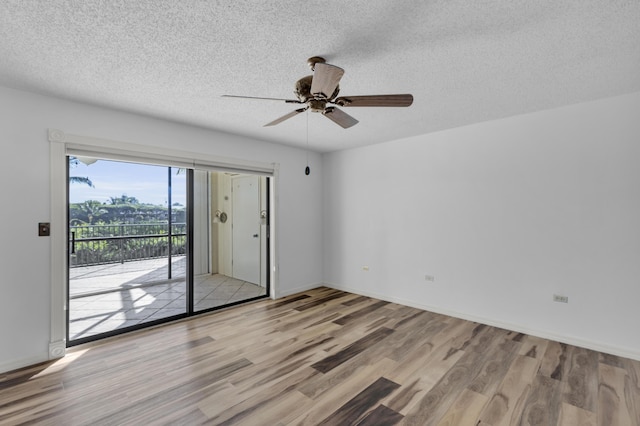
(318,93)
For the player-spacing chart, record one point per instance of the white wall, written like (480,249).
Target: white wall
(25,257)
(504,214)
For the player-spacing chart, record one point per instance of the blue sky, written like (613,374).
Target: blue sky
(113,179)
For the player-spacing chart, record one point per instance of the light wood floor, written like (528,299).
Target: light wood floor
(325,357)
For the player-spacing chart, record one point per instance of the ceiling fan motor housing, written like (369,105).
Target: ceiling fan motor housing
(317,105)
(303,93)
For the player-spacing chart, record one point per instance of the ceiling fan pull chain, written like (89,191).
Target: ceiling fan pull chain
(307,170)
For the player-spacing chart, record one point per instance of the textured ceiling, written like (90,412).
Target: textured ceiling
(464,61)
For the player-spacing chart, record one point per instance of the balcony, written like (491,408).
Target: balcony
(125,275)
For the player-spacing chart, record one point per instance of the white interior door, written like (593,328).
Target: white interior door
(246,228)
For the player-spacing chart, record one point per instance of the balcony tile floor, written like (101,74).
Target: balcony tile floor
(108,297)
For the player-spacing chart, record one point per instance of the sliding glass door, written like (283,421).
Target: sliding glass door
(127,245)
(151,243)
(230,249)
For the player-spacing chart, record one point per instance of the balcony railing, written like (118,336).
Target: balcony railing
(101,244)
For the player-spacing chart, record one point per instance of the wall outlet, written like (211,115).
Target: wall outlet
(365,268)
(429,278)
(561,299)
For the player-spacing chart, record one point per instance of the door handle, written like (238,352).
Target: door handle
(255,235)
(73,242)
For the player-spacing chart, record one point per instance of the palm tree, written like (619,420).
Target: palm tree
(123,199)
(73,162)
(93,209)
(79,179)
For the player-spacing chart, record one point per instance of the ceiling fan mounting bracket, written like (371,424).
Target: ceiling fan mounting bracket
(312,61)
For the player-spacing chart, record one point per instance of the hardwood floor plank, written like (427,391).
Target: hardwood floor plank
(410,316)
(405,340)
(632,388)
(22,408)
(570,415)
(324,355)
(555,363)
(323,321)
(419,373)
(581,387)
(475,333)
(612,360)
(534,347)
(282,411)
(322,300)
(332,361)
(292,346)
(327,382)
(494,370)
(23,375)
(612,403)
(315,315)
(217,399)
(437,401)
(542,406)
(331,399)
(360,312)
(252,405)
(356,300)
(507,403)
(381,416)
(148,405)
(465,410)
(265,374)
(288,301)
(354,409)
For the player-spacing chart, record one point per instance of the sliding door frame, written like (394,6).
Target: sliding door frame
(63,144)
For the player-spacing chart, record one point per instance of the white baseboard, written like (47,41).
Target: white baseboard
(23,362)
(519,328)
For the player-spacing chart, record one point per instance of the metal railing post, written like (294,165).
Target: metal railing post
(121,244)
(170,223)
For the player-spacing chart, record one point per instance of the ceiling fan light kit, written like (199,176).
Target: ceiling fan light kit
(319,93)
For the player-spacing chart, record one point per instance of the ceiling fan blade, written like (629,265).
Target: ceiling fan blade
(340,117)
(285,117)
(325,80)
(289,101)
(375,101)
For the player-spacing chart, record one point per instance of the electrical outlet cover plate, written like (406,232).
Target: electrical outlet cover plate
(561,299)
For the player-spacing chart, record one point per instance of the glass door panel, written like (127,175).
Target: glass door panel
(127,246)
(230,238)
(148,244)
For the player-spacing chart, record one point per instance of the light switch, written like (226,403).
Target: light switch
(44,229)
